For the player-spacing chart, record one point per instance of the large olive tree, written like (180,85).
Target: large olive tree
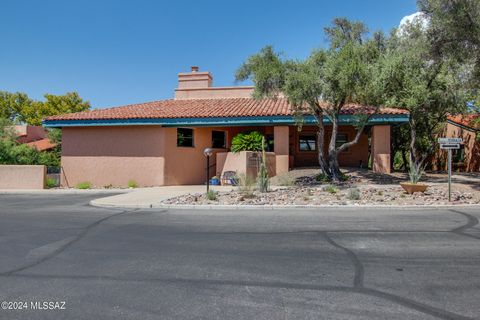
(324,84)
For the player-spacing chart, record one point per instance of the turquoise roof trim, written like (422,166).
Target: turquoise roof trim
(220,121)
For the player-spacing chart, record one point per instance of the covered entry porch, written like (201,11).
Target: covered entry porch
(294,147)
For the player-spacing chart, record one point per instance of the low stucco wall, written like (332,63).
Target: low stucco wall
(22,177)
(239,162)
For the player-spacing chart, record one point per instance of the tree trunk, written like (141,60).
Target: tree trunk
(413,141)
(333,151)
(405,161)
(335,173)
(321,142)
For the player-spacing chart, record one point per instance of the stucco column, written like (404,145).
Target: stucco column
(381,149)
(281,141)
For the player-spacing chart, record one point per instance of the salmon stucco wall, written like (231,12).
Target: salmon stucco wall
(22,177)
(187,165)
(107,156)
(381,149)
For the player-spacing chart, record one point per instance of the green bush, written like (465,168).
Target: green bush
(84,185)
(331,189)
(132,184)
(247,142)
(354,194)
(51,183)
(211,195)
(321,177)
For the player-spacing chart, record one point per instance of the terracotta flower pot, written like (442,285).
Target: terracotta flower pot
(410,188)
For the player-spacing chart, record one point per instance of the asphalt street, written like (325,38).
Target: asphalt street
(359,263)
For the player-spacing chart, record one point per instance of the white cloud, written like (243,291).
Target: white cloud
(414,17)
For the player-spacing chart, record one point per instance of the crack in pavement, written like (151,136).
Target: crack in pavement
(472,221)
(63,247)
(359,270)
(358,286)
(408,303)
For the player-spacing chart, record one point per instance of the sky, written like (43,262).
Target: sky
(115,52)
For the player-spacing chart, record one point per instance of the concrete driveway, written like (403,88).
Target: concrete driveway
(278,264)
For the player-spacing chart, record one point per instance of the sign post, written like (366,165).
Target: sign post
(449,175)
(450,144)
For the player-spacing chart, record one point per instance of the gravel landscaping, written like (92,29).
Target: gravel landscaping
(302,188)
(334,195)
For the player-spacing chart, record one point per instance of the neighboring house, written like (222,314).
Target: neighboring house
(162,142)
(33,136)
(467,158)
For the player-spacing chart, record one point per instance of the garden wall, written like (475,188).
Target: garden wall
(22,177)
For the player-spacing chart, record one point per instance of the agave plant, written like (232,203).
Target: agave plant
(416,171)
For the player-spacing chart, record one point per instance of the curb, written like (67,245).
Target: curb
(278,207)
(64,191)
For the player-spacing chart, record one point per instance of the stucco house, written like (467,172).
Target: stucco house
(467,158)
(162,142)
(33,136)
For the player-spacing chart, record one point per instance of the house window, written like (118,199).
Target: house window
(341,139)
(184,137)
(219,139)
(270,145)
(307,142)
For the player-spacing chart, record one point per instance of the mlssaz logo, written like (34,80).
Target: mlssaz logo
(47,305)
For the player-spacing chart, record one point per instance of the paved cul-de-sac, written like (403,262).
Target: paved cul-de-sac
(352,263)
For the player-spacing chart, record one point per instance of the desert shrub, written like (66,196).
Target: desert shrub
(286,180)
(83,185)
(211,195)
(331,189)
(252,141)
(132,184)
(263,180)
(51,183)
(321,177)
(353,194)
(246,184)
(344,177)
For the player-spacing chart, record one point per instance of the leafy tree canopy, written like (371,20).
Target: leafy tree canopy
(19,108)
(324,83)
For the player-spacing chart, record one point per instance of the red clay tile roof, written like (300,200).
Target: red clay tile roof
(466,120)
(204,108)
(42,144)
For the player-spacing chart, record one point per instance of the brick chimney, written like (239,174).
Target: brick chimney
(194,79)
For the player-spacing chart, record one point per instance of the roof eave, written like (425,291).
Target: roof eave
(220,121)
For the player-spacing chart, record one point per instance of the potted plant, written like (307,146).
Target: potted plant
(415,173)
(214,181)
